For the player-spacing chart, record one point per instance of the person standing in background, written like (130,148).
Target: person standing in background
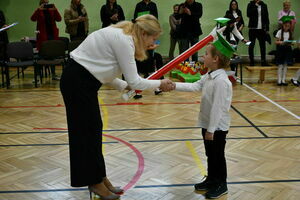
(174,21)
(111,13)
(77,21)
(257,12)
(46,16)
(3,35)
(145,7)
(191,12)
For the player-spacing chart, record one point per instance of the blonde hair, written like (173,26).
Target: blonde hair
(146,24)
(223,60)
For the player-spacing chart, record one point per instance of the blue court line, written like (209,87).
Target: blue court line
(245,118)
(153,141)
(149,129)
(150,186)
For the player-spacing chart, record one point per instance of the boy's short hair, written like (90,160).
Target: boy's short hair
(224,61)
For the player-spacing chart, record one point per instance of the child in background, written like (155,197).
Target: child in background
(214,117)
(283,49)
(296,79)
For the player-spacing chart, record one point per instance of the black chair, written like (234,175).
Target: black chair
(52,53)
(22,53)
(73,45)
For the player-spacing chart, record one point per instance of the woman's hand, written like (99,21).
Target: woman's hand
(167,85)
(209,136)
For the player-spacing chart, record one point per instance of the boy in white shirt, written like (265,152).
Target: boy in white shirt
(214,117)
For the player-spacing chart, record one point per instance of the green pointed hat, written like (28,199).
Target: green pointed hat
(223,46)
(287,18)
(222,20)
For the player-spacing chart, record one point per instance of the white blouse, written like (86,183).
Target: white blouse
(108,53)
(215,102)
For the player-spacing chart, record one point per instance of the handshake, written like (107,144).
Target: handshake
(167,85)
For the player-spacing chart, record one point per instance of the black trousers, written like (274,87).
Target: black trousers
(259,34)
(79,89)
(215,153)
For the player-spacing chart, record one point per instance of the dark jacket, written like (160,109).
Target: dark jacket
(190,24)
(252,13)
(240,22)
(3,34)
(106,13)
(142,7)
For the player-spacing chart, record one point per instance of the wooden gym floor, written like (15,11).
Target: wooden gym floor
(152,146)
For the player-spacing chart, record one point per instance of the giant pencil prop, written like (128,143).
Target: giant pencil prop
(173,63)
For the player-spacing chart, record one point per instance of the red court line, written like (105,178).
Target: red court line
(141,162)
(141,103)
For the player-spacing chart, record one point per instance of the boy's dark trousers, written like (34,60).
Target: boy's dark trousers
(216,162)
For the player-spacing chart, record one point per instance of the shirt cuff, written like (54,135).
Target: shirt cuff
(119,84)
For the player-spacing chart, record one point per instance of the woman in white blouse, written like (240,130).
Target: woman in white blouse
(100,59)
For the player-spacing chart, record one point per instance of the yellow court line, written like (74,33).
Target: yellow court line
(104,120)
(196,158)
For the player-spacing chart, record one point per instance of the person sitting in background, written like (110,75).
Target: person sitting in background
(149,66)
(286,11)
(174,21)
(235,14)
(46,16)
(77,21)
(111,13)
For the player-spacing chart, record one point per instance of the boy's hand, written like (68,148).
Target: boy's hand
(209,136)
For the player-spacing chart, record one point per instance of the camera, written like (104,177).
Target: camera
(48,5)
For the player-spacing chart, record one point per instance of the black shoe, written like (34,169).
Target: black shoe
(295,83)
(279,84)
(137,96)
(284,84)
(205,185)
(217,191)
(157,92)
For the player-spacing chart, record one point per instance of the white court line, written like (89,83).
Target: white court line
(276,104)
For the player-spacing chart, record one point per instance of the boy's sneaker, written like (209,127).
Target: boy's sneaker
(205,185)
(217,191)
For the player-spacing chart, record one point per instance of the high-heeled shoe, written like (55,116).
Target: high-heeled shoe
(108,197)
(110,187)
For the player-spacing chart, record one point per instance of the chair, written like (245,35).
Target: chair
(52,53)
(22,52)
(73,45)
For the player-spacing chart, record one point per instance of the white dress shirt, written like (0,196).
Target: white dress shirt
(106,54)
(215,102)
(259,24)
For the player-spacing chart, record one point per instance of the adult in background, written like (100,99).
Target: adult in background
(46,16)
(111,13)
(191,12)
(257,12)
(3,35)
(145,7)
(77,21)
(100,59)
(174,21)
(286,11)
(235,14)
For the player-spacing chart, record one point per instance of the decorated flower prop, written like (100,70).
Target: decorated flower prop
(192,68)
